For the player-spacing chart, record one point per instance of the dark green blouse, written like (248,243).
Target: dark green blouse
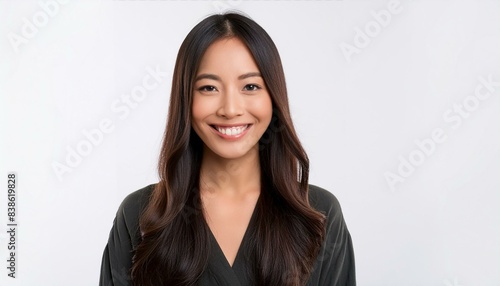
(334,264)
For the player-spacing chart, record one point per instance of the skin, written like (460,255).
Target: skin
(229,90)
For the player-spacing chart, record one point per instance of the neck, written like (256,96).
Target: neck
(230,176)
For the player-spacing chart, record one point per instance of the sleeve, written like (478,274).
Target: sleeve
(118,253)
(335,263)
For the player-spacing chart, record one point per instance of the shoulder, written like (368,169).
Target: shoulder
(323,201)
(131,208)
(335,262)
(135,201)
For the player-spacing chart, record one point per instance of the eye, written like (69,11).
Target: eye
(207,88)
(251,87)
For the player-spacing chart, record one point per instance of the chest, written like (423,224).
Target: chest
(228,221)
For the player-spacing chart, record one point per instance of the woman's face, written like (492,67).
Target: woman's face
(231,105)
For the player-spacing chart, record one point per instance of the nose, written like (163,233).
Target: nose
(232,104)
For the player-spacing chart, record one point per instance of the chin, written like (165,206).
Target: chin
(231,153)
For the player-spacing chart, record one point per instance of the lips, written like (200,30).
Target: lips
(233,131)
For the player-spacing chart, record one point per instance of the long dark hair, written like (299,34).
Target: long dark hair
(287,233)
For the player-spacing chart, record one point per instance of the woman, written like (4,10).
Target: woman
(233,205)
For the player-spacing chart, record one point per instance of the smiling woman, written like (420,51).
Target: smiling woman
(231,105)
(230,208)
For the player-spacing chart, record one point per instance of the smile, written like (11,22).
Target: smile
(231,131)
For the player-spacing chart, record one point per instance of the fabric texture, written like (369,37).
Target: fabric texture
(334,265)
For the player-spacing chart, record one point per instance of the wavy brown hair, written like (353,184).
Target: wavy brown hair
(287,233)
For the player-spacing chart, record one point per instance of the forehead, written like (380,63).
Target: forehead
(227,55)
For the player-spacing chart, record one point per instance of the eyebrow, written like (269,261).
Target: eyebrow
(250,74)
(215,77)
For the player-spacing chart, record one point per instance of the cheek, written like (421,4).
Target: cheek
(199,109)
(197,115)
(263,108)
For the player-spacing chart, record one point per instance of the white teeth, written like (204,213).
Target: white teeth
(232,131)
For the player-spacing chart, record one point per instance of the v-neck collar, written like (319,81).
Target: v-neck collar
(239,253)
(234,275)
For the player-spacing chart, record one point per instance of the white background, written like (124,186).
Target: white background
(357,115)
